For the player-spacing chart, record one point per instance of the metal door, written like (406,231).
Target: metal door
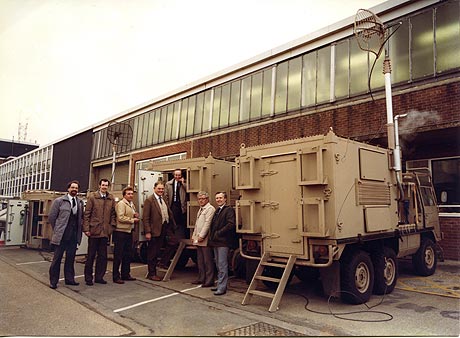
(428,199)
(281,203)
(15,232)
(146,180)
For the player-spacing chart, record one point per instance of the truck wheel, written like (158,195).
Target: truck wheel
(275,272)
(250,267)
(425,260)
(141,253)
(238,265)
(386,271)
(357,277)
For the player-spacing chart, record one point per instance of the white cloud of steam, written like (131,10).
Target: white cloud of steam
(416,119)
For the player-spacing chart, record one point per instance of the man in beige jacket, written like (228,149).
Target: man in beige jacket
(200,239)
(122,237)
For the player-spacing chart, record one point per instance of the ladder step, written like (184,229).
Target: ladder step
(278,265)
(262,293)
(270,279)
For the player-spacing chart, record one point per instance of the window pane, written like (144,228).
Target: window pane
(137,132)
(324,75)
(169,122)
(162,126)
(156,125)
(245,99)
(309,79)
(149,140)
(447,36)
(377,79)
(422,45)
(206,110)
(183,118)
(267,93)
(235,101)
(341,69)
(145,129)
(294,83)
(446,175)
(256,96)
(199,113)
(191,114)
(399,53)
(175,120)
(225,106)
(216,107)
(358,68)
(281,87)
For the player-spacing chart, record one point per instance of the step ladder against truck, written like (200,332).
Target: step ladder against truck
(183,244)
(266,261)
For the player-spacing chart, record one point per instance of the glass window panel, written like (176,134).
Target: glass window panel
(245,99)
(183,118)
(323,75)
(191,115)
(162,126)
(225,106)
(358,68)
(169,121)
(145,129)
(235,102)
(399,53)
(199,113)
(256,96)
(422,45)
(446,175)
(207,110)
(156,125)
(135,132)
(341,69)
(447,36)
(267,93)
(294,83)
(216,107)
(309,79)
(175,120)
(150,130)
(281,87)
(377,78)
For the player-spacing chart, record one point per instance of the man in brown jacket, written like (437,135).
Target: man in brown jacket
(158,226)
(99,218)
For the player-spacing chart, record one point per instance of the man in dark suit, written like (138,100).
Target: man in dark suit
(176,197)
(66,219)
(158,226)
(222,238)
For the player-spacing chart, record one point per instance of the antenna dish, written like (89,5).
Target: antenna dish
(119,133)
(369,31)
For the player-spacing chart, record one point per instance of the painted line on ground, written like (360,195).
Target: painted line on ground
(27,263)
(155,299)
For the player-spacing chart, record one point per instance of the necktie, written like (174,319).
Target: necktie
(73,202)
(177,192)
(160,200)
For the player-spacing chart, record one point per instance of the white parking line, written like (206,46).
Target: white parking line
(155,299)
(26,263)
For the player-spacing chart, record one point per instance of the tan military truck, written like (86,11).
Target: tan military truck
(332,207)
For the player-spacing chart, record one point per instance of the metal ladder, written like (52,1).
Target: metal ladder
(276,297)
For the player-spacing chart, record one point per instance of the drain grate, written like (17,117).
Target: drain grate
(260,329)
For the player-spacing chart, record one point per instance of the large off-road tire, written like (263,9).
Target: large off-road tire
(306,274)
(385,270)
(425,260)
(275,272)
(238,264)
(140,253)
(357,277)
(250,267)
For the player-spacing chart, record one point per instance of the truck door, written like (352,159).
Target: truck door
(280,204)
(15,231)
(146,180)
(428,199)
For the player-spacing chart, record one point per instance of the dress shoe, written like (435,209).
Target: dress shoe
(100,281)
(89,283)
(119,281)
(208,286)
(197,282)
(213,289)
(220,293)
(53,286)
(72,283)
(129,278)
(155,278)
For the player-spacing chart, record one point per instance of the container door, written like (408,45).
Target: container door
(281,202)
(428,197)
(146,180)
(15,232)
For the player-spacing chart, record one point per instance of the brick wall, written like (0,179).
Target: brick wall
(450,226)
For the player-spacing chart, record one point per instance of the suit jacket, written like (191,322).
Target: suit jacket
(202,224)
(125,216)
(169,195)
(223,229)
(100,216)
(152,218)
(59,216)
